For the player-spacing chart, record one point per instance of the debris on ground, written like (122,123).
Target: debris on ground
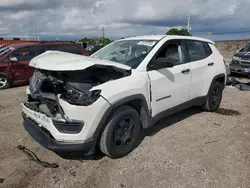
(217,124)
(54,180)
(2,180)
(232,81)
(72,173)
(210,142)
(32,156)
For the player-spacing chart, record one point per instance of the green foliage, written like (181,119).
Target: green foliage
(175,31)
(104,40)
(94,41)
(88,40)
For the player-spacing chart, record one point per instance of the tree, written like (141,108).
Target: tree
(104,40)
(88,41)
(175,31)
(94,41)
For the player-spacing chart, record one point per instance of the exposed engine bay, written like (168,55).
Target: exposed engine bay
(73,87)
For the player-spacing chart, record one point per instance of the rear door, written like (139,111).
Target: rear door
(201,65)
(20,68)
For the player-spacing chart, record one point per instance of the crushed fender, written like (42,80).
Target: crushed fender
(32,156)
(238,84)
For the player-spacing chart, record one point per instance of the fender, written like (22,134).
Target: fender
(215,78)
(144,112)
(4,74)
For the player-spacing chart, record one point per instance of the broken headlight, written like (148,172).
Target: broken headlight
(79,94)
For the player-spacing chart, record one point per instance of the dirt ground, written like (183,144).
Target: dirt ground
(190,149)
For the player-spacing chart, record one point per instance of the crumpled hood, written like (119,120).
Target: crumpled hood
(63,61)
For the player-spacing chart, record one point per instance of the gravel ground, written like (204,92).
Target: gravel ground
(190,149)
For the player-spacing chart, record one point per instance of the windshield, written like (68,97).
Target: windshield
(5,50)
(247,48)
(128,52)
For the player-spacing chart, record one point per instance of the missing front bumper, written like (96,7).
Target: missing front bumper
(43,137)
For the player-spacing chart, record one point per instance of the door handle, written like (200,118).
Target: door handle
(185,71)
(210,64)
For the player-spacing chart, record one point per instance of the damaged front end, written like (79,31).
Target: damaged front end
(75,87)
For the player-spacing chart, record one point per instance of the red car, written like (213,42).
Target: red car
(14,60)
(3,45)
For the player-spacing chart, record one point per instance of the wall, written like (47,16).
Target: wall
(9,42)
(230,47)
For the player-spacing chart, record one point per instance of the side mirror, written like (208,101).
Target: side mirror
(160,63)
(13,59)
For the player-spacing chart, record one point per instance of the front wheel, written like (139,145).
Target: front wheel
(4,82)
(214,97)
(122,133)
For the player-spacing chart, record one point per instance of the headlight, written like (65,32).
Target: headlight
(235,58)
(79,94)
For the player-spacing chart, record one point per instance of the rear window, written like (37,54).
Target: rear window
(41,49)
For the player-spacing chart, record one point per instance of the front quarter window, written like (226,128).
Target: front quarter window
(128,52)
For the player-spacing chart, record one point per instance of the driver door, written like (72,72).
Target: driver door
(170,87)
(20,66)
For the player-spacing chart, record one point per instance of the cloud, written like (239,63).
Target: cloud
(77,18)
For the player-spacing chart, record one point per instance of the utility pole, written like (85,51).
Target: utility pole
(103,35)
(57,38)
(34,27)
(189,23)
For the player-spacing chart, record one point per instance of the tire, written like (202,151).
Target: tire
(214,97)
(122,133)
(4,82)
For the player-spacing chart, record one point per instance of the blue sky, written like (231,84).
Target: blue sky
(121,18)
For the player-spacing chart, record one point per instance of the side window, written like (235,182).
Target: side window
(76,49)
(24,54)
(56,47)
(173,52)
(196,50)
(207,49)
(41,49)
(67,48)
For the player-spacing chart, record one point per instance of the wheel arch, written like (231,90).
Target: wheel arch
(138,102)
(220,78)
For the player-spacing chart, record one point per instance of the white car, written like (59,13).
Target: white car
(78,103)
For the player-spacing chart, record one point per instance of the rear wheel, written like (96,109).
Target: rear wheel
(214,97)
(122,133)
(4,82)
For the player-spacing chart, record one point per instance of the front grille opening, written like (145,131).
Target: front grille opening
(47,132)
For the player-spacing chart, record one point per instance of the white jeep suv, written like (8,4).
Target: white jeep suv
(78,103)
